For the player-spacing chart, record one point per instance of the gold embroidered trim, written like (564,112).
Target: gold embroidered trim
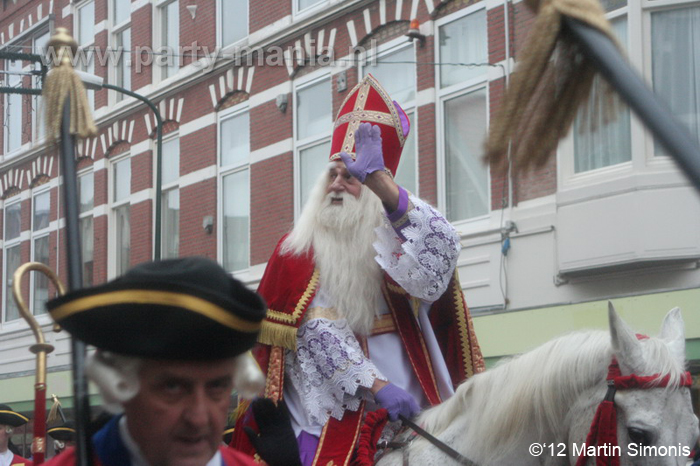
(395,288)
(329,313)
(383,324)
(366,115)
(275,334)
(362,94)
(462,326)
(273,384)
(303,301)
(404,218)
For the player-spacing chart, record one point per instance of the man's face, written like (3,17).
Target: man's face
(342,181)
(180,411)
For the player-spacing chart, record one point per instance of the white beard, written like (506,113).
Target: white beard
(342,237)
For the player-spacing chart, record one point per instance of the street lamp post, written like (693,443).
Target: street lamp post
(93,82)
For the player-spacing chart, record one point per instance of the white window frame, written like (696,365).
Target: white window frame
(219,27)
(410,107)
(309,10)
(37,235)
(442,95)
(113,206)
(631,175)
(5,121)
(167,187)
(87,62)
(37,110)
(160,71)
(86,214)
(308,142)
(8,244)
(115,30)
(222,172)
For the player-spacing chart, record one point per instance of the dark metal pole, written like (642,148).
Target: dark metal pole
(84,453)
(625,80)
(159,162)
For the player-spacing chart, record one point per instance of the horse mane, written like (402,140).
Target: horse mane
(535,390)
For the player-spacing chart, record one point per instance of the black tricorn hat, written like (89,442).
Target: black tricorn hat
(64,432)
(179,309)
(8,417)
(228,433)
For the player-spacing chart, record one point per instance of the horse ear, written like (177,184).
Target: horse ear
(673,333)
(625,345)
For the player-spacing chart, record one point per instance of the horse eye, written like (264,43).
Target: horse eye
(639,436)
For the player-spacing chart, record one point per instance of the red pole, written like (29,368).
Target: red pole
(39,441)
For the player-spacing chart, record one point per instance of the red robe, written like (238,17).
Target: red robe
(229,456)
(19,461)
(289,285)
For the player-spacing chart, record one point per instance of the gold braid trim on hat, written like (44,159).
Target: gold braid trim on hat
(62,82)
(551,80)
(156,298)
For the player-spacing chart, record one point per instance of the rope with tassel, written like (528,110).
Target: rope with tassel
(550,82)
(62,82)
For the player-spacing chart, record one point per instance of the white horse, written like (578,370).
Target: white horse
(549,396)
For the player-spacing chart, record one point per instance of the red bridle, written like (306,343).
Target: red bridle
(604,427)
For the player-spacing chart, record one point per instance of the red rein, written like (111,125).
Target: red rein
(603,433)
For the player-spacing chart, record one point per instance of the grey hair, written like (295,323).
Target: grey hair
(116,376)
(9,430)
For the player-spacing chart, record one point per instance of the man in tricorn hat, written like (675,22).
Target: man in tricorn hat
(172,340)
(63,436)
(364,305)
(10,419)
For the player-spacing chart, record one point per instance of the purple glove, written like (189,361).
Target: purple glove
(397,401)
(368,152)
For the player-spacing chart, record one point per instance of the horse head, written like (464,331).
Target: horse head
(655,421)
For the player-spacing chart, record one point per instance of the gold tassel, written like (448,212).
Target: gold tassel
(552,79)
(62,82)
(53,413)
(274,334)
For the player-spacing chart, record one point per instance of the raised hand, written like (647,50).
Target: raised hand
(276,442)
(368,152)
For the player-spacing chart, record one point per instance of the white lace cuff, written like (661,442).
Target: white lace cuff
(424,263)
(328,368)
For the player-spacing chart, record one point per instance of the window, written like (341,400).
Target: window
(85,36)
(170,199)
(232,21)
(40,41)
(121,191)
(234,171)
(463,112)
(121,43)
(314,123)
(660,39)
(41,209)
(302,5)
(13,229)
(396,72)
(169,38)
(675,51)
(13,109)
(86,191)
(85,26)
(599,141)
